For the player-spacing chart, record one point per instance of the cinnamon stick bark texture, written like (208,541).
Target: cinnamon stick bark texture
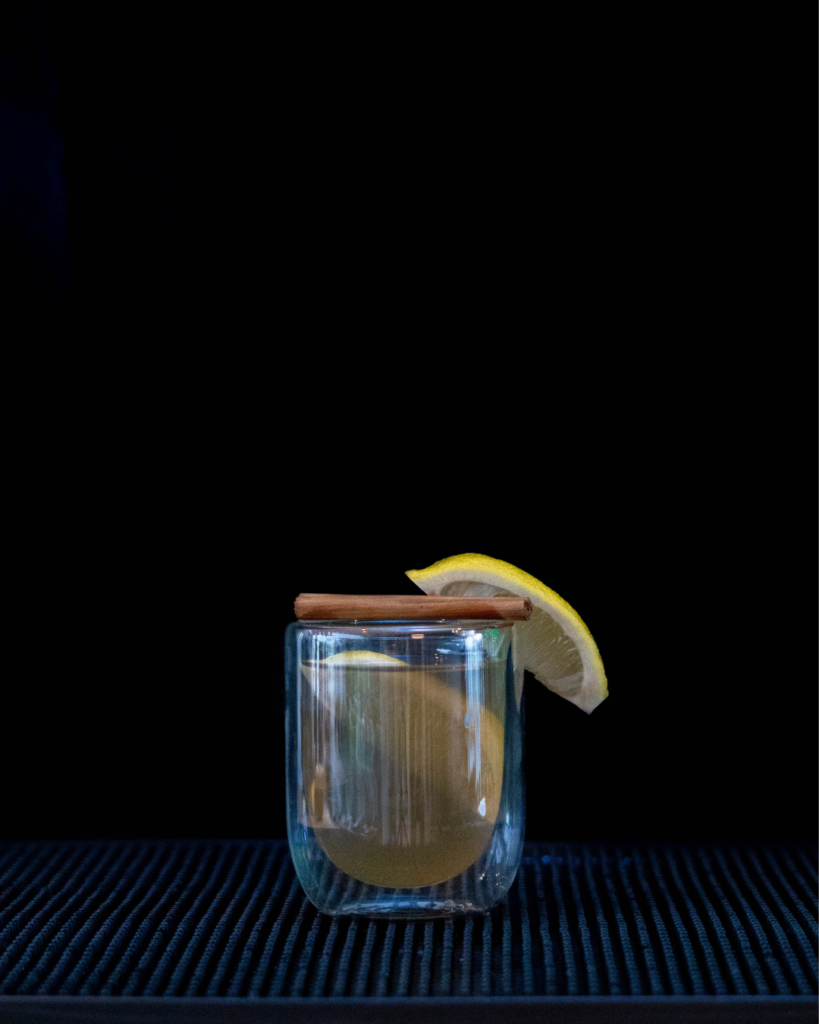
(334,607)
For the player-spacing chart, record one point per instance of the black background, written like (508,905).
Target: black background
(339,309)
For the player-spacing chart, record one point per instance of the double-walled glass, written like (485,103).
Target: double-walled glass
(404,776)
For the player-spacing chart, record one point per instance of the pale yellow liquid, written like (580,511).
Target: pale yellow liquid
(402,768)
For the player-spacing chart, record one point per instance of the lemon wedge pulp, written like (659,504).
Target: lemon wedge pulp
(555,645)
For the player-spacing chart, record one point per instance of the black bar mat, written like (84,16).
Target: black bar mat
(157,930)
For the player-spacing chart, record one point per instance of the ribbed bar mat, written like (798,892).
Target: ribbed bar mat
(159,928)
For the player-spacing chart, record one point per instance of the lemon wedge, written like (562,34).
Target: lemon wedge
(555,645)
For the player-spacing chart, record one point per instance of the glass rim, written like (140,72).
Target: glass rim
(414,623)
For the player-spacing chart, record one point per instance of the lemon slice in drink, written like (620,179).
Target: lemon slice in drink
(402,773)
(555,645)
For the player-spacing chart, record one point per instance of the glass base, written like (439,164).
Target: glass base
(473,892)
(413,909)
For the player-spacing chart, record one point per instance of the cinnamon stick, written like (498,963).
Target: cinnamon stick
(334,607)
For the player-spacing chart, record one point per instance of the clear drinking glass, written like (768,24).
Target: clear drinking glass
(404,777)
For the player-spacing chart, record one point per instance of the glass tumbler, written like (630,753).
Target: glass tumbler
(404,777)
